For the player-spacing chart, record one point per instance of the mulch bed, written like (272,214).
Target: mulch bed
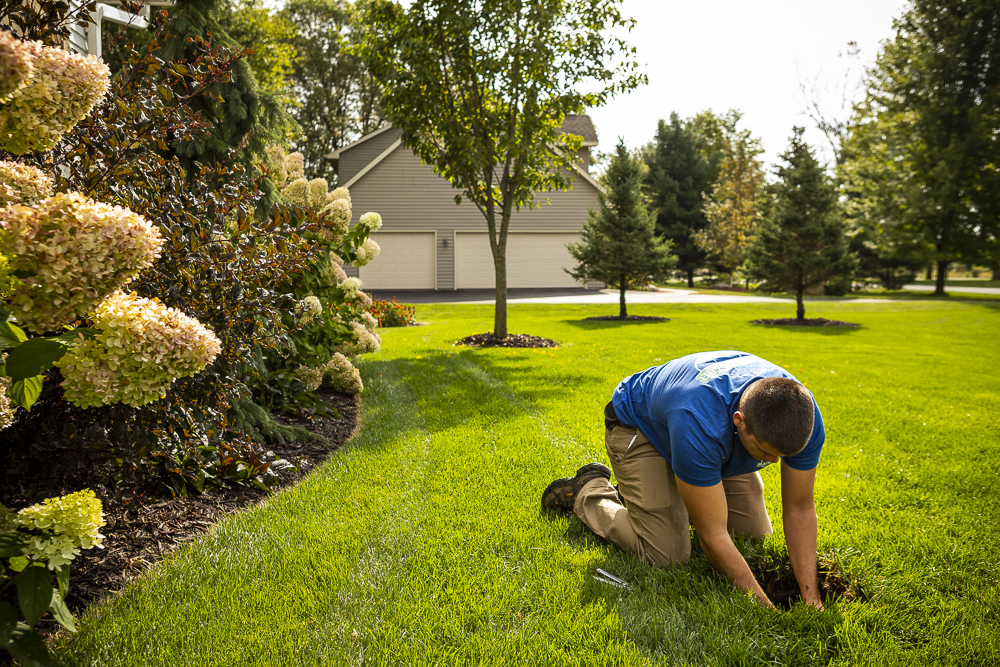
(141,534)
(627,318)
(814,322)
(512,340)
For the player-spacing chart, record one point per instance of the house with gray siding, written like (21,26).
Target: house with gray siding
(429,242)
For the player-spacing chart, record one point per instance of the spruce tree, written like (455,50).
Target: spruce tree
(801,242)
(679,176)
(620,246)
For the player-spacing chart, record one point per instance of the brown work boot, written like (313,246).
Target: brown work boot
(560,495)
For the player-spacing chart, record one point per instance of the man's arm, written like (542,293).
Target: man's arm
(709,515)
(798,510)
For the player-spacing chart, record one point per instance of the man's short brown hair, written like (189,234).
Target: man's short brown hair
(780,412)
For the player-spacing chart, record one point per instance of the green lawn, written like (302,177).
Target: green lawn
(422,543)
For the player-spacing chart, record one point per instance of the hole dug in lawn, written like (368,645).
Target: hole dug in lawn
(778,580)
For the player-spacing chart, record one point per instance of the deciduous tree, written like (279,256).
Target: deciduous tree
(923,146)
(479,89)
(620,246)
(801,243)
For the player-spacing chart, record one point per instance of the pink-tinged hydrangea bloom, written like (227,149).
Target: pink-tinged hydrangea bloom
(67,524)
(362,300)
(6,409)
(368,251)
(338,218)
(276,165)
(15,65)
(23,184)
(343,376)
(364,342)
(311,377)
(369,321)
(63,88)
(142,347)
(76,252)
(317,193)
(297,192)
(295,166)
(371,220)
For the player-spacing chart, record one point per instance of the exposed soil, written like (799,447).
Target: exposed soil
(627,318)
(141,531)
(778,581)
(512,340)
(814,322)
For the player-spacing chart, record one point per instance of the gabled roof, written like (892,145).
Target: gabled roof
(580,125)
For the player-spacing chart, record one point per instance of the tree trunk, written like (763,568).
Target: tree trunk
(500,293)
(691,278)
(800,306)
(930,272)
(942,275)
(996,274)
(622,311)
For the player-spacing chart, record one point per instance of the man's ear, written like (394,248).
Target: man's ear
(739,419)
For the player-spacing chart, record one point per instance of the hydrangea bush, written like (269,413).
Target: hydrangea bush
(37,543)
(62,88)
(142,346)
(23,184)
(335,325)
(75,253)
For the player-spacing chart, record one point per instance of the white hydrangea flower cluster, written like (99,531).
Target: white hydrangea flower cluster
(371,220)
(295,166)
(15,66)
(361,300)
(338,219)
(311,377)
(351,286)
(142,347)
(365,341)
(6,410)
(62,90)
(368,251)
(23,184)
(71,523)
(308,194)
(342,375)
(369,321)
(311,308)
(76,252)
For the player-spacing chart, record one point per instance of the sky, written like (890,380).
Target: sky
(751,55)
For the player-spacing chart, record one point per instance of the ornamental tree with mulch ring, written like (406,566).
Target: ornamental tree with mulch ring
(620,246)
(801,243)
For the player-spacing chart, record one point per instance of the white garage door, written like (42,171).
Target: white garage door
(405,262)
(533,260)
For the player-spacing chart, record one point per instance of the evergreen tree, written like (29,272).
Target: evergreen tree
(802,242)
(679,176)
(242,118)
(620,246)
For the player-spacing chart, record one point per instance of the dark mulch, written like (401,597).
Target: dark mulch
(627,318)
(512,340)
(142,532)
(814,322)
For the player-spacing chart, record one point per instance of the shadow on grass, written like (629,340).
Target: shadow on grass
(823,331)
(590,325)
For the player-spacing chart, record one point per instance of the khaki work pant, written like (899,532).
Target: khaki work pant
(653,522)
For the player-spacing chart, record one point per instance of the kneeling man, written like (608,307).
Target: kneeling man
(686,441)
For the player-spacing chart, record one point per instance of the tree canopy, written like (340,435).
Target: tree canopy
(480,88)
(620,246)
(921,158)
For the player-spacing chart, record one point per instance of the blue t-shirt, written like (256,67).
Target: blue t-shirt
(686,406)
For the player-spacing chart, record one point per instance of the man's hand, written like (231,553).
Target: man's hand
(798,510)
(710,515)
